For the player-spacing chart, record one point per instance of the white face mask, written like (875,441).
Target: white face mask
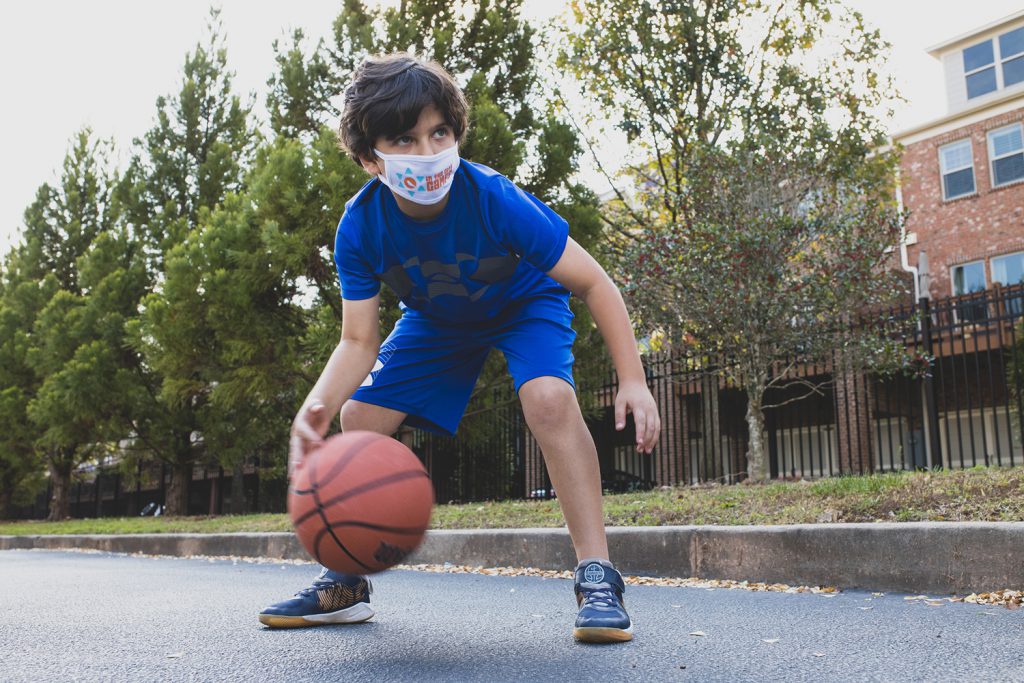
(420,179)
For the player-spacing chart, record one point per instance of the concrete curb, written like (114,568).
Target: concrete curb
(919,557)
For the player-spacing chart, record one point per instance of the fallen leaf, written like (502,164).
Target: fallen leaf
(770,640)
(175,655)
(867,608)
(697,633)
(819,654)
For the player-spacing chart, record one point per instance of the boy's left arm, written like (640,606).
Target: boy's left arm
(578,272)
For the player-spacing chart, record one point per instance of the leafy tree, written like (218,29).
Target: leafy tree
(195,154)
(755,215)
(60,339)
(22,296)
(490,50)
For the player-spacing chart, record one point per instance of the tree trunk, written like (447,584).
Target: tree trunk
(238,489)
(757,463)
(177,492)
(5,502)
(60,499)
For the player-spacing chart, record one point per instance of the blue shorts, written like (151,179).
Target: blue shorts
(427,367)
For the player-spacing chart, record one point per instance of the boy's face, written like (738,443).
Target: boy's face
(430,135)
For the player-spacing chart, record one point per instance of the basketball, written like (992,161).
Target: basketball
(361,502)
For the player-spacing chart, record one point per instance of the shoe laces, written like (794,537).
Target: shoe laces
(599,595)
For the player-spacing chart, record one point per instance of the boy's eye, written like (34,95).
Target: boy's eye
(441,132)
(403,139)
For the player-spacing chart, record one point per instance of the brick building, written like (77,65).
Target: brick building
(962,175)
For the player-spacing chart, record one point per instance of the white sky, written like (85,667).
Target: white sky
(103,63)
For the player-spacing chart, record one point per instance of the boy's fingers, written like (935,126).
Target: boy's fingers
(620,414)
(656,433)
(304,431)
(640,420)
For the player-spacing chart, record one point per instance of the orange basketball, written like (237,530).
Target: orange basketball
(361,502)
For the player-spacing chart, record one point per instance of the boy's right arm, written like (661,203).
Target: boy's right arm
(346,369)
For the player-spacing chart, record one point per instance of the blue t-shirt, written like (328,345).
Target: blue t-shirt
(491,245)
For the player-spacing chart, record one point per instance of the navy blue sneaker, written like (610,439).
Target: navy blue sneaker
(602,618)
(334,598)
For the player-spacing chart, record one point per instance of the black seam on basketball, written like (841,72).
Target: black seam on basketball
(369,486)
(375,484)
(328,530)
(347,457)
(380,527)
(313,479)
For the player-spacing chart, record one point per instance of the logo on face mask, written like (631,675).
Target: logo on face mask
(412,183)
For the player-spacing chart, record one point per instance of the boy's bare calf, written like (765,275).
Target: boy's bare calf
(553,415)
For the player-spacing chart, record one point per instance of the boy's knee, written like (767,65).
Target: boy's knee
(356,415)
(548,401)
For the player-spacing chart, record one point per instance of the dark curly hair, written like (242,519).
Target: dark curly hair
(386,96)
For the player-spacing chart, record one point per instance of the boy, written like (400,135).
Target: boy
(477,263)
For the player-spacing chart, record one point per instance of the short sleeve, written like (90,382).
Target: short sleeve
(354,274)
(526,224)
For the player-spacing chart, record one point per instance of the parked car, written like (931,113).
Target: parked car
(619,481)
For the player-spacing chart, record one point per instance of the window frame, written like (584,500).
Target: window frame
(998,63)
(992,265)
(1002,60)
(994,65)
(952,276)
(992,158)
(944,172)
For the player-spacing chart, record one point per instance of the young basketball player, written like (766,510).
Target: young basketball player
(477,264)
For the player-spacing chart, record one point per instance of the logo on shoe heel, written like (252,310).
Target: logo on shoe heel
(594,573)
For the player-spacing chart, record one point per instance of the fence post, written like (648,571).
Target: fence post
(933,446)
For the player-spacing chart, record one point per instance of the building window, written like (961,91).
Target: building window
(1011,52)
(956,161)
(1009,269)
(967,279)
(994,64)
(1006,150)
(980,69)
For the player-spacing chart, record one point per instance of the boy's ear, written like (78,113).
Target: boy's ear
(372,166)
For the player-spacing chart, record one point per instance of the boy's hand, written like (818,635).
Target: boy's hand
(307,433)
(636,398)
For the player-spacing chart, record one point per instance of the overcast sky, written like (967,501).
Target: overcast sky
(103,63)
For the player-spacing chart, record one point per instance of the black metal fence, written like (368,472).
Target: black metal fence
(962,407)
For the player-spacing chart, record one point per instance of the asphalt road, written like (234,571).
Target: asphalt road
(68,616)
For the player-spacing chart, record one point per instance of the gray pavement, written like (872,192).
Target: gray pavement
(96,616)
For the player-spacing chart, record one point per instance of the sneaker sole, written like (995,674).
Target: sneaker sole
(351,615)
(603,635)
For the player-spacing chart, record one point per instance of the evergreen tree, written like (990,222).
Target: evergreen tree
(490,50)
(195,155)
(65,399)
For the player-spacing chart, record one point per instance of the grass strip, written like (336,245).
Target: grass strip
(978,494)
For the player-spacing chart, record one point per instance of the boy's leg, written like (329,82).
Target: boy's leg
(336,598)
(553,415)
(356,415)
(537,343)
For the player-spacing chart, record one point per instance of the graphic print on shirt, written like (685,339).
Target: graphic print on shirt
(440,279)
